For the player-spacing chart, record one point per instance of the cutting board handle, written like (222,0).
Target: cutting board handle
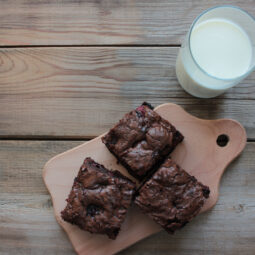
(217,142)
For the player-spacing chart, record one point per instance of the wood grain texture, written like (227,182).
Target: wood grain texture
(73,22)
(82,92)
(28,226)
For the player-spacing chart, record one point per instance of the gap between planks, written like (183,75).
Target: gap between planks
(58,138)
(92,45)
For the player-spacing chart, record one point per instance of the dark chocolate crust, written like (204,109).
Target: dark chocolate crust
(172,197)
(99,199)
(141,140)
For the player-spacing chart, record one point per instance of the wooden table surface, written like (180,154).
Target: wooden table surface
(68,71)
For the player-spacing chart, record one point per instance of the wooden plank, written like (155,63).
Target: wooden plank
(72,22)
(82,92)
(27,224)
(23,174)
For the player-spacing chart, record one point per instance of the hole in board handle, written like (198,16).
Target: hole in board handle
(222,140)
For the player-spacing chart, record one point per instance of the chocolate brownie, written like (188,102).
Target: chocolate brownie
(99,199)
(141,140)
(171,197)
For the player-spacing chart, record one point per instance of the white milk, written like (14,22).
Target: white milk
(221,49)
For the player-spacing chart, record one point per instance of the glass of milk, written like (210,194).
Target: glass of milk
(218,51)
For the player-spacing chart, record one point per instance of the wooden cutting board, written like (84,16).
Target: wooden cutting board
(199,154)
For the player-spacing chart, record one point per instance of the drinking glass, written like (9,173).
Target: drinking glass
(194,78)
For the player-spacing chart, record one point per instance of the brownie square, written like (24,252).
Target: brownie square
(171,197)
(141,140)
(99,199)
